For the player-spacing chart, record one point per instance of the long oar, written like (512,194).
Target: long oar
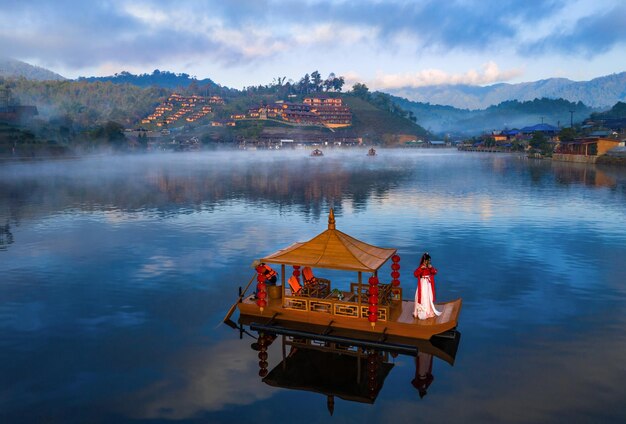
(232,308)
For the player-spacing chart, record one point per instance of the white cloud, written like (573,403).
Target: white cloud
(489,74)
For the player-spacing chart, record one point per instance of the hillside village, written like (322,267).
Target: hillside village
(317,110)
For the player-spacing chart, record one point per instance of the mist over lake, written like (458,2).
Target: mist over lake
(118,270)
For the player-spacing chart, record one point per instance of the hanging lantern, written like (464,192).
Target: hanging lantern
(261,292)
(372,300)
(296,272)
(395,273)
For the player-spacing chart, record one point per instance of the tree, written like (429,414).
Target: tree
(328,82)
(360,90)
(316,81)
(338,83)
(540,142)
(305,84)
(567,134)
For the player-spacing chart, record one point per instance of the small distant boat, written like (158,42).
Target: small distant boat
(371,152)
(317,152)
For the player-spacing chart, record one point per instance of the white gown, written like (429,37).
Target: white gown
(425,309)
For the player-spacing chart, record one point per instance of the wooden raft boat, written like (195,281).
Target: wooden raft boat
(318,304)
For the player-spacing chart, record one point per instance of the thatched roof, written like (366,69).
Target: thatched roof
(334,250)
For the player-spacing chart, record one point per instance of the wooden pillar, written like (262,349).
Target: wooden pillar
(360,281)
(282,279)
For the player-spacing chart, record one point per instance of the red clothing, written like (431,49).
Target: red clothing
(423,272)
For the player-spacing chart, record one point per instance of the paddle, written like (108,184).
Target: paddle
(232,308)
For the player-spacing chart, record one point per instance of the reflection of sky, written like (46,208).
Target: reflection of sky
(111,297)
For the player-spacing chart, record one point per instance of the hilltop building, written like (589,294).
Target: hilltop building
(319,110)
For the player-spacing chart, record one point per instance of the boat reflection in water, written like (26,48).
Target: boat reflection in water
(352,370)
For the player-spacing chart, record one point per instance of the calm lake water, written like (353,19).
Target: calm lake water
(116,273)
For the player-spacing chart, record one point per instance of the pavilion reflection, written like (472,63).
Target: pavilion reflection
(351,372)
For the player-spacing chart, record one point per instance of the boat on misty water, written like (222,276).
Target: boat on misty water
(317,152)
(357,308)
(371,152)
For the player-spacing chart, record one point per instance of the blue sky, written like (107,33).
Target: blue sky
(384,44)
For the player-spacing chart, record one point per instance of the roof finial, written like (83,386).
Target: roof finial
(331,219)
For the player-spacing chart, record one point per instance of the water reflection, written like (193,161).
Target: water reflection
(154,184)
(589,175)
(345,369)
(6,236)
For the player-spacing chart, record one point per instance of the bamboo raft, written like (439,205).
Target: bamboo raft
(346,310)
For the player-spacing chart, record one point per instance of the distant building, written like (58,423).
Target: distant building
(12,113)
(17,114)
(585,149)
(321,110)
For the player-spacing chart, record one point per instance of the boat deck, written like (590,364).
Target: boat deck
(400,321)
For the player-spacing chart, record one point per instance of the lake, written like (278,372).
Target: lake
(118,270)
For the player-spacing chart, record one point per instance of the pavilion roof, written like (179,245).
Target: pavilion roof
(333,249)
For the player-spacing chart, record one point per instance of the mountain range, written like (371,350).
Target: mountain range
(601,92)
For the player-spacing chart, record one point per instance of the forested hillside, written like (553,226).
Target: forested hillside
(509,114)
(163,79)
(87,103)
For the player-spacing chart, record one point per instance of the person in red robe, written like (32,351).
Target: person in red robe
(425,292)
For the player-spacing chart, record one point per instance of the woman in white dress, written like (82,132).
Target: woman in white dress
(425,293)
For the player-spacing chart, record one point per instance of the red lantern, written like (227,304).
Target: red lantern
(372,300)
(373,280)
(395,273)
(261,294)
(296,272)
